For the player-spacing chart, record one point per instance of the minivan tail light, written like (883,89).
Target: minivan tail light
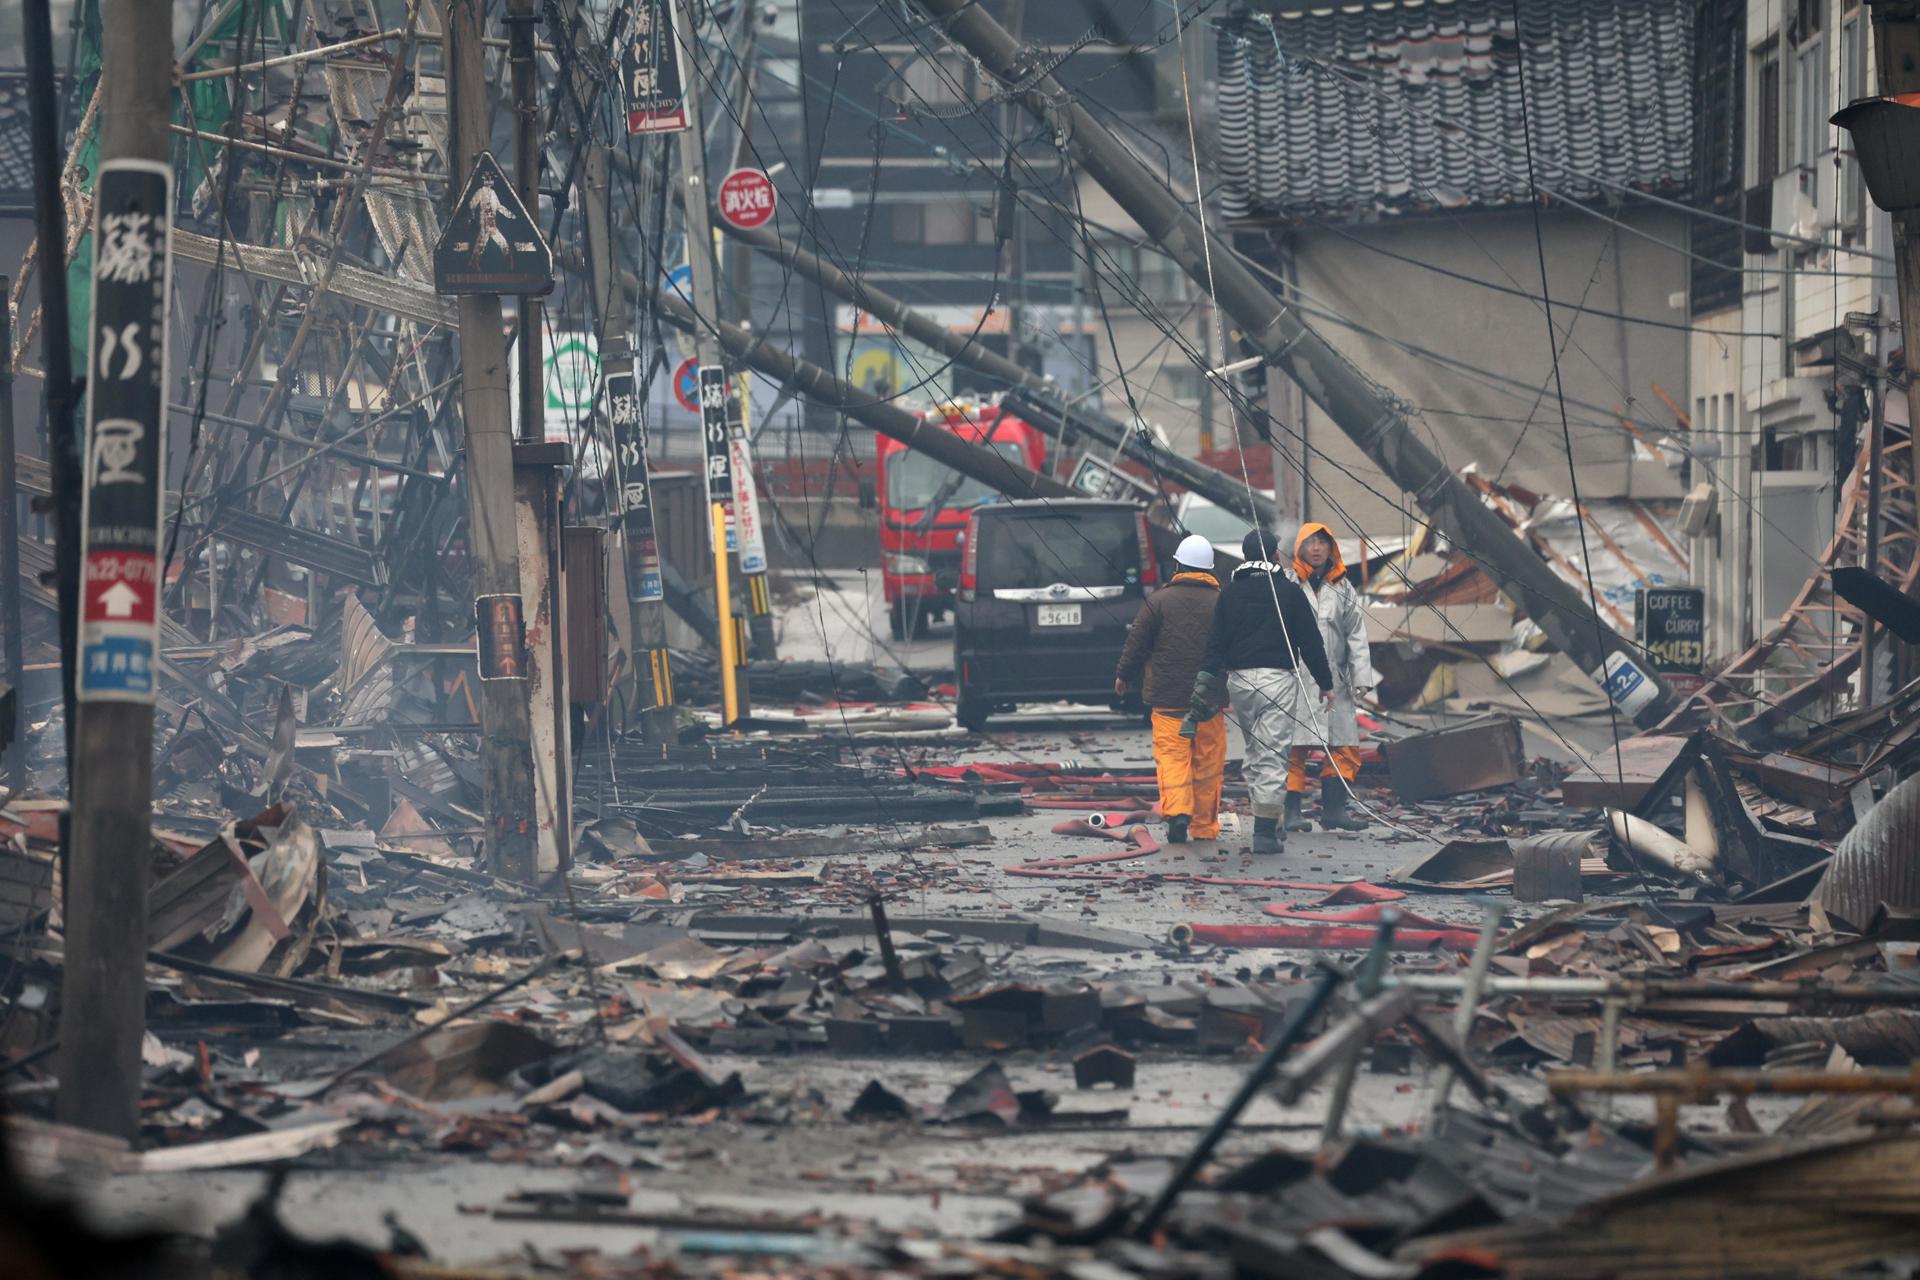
(1149,563)
(970,558)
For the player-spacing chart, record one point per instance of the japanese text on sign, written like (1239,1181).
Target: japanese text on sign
(632,481)
(1671,622)
(713,428)
(120,501)
(652,73)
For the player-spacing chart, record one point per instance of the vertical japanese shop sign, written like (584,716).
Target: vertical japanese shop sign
(126,381)
(652,72)
(634,483)
(713,430)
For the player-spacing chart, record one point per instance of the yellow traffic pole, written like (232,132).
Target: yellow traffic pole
(723,605)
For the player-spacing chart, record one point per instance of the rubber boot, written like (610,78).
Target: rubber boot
(1268,837)
(1295,820)
(1177,828)
(1334,813)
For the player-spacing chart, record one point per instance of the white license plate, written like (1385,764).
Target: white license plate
(1059,615)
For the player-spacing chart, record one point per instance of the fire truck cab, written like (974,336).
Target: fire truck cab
(924,507)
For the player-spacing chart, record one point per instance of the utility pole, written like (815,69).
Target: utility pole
(103,985)
(1028,393)
(536,492)
(714,383)
(631,494)
(759,600)
(520,20)
(16,753)
(1273,329)
(56,354)
(630,497)
(493,548)
(1876,461)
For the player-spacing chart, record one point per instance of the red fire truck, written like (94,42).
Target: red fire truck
(924,507)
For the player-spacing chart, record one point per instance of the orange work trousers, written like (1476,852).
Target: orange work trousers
(1191,771)
(1344,761)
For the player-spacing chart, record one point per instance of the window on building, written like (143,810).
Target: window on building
(909,224)
(1766,113)
(1810,109)
(1185,383)
(1853,85)
(1808,18)
(1125,267)
(1719,101)
(955,222)
(1789,451)
(944,80)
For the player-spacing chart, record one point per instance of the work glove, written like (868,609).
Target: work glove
(1209,695)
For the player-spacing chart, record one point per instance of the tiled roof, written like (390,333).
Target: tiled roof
(1609,92)
(16,160)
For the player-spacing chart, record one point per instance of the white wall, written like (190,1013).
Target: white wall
(1722,555)
(1506,419)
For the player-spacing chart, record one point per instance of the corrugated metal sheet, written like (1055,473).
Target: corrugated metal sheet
(1879,861)
(1357,109)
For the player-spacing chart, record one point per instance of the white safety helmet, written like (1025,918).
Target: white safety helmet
(1195,552)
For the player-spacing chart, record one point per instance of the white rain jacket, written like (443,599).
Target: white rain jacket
(1343,630)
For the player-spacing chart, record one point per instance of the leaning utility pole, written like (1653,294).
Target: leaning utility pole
(1270,327)
(1029,394)
(714,383)
(507,739)
(56,354)
(103,987)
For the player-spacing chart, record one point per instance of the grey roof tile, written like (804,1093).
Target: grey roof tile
(1608,87)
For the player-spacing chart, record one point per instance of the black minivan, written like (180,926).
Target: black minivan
(1047,590)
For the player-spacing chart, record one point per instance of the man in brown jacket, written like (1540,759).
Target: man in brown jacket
(1167,641)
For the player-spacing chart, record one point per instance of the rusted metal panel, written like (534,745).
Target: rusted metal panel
(1877,862)
(586,568)
(1475,756)
(1626,776)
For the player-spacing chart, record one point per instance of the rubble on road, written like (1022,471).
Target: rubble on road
(1623,967)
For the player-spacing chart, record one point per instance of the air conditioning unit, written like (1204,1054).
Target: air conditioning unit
(1696,510)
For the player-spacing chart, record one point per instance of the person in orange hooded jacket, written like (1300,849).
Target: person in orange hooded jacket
(1322,575)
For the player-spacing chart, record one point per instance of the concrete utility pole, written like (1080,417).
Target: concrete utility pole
(507,746)
(520,20)
(103,986)
(536,493)
(50,232)
(1032,396)
(1270,327)
(16,752)
(631,494)
(714,383)
(888,418)
(740,273)
(977,462)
